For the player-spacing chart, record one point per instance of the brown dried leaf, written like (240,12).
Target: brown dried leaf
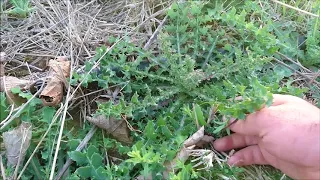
(52,94)
(117,128)
(198,139)
(60,65)
(205,140)
(59,70)
(16,143)
(3,57)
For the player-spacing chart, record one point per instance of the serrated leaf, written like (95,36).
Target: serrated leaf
(161,121)
(134,98)
(47,114)
(103,174)
(282,71)
(79,157)
(73,144)
(84,172)
(166,131)
(146,171)
(150,131)
(96,160)
(198,115)
(91,150)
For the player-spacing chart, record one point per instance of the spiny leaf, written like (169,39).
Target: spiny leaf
(79,157)
(84,172)
(150,131)
(91,150)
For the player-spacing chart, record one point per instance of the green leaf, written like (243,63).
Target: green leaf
(48,113)
(15,90)
(283,71)
(165,131)
(79,157)
(3,106)
(44,155)
(73,144)
(161,121)
(73,177)
(84,172)
(20,8)
(146,171)
(91,150)
(96,160)
(134,98)
(135,156)
(150,131)
(198,115)
(102,173)
(218,129)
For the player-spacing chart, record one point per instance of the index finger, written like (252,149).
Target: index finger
(279,99)
(256,123)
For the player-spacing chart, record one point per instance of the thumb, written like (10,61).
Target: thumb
(247,156)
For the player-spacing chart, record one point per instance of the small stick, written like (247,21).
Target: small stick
(82,144)
(315,77)
(298,64)
(155,34)
(37,55)
(25,64)
(297,9)
(289,67)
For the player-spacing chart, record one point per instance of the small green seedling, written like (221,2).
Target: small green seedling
(21,8)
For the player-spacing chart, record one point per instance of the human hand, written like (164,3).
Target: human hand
(285,135)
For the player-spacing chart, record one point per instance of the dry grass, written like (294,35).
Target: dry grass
(74,29)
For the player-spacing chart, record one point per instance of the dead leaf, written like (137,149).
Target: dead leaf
(9,82)
(205,140)
(3,57)
(53,92)
(16,143)
(117,128)
(61,64)
(198,139)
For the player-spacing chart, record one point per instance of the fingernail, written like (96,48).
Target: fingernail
(234,161)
